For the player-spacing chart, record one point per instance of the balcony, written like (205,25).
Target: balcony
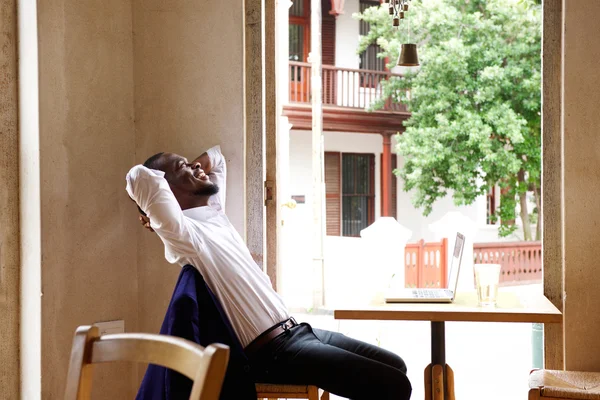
(347,94)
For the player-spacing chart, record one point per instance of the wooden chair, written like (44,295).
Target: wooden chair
(564,385)
(205,366)
(272,391)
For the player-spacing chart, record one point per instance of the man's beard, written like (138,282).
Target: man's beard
(209,190)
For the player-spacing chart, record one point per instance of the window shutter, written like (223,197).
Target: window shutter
(328,53)
(333,201)
(327,34)
(368,58)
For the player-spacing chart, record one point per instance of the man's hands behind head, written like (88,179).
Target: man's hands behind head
(145,221)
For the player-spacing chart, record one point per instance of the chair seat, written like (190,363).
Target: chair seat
(274,388)
(566,384)
(273,391)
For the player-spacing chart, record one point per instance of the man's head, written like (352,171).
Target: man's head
(190,185)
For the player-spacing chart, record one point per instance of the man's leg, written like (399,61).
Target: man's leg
(361,348)
(300,357)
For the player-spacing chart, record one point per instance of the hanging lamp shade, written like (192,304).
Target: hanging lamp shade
(408,56)
(337,7)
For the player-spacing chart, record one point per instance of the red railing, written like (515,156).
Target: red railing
(521,261)
(343,87)
(426,264)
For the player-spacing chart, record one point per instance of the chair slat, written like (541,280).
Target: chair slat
(205,366)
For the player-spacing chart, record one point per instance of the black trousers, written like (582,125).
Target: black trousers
(341,365)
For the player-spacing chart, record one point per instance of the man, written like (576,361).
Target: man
(185,205)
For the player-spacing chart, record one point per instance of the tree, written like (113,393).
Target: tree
(475,101)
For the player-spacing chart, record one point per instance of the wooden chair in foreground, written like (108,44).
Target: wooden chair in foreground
(272,391)
(564,385)
(205,366)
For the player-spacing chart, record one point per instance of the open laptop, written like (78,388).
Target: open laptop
(433,295)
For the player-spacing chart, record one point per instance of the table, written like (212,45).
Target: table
(439,377)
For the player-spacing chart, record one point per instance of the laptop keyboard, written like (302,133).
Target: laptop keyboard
(432,293)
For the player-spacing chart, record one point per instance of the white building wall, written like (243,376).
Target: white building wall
(408,216)
(346,37)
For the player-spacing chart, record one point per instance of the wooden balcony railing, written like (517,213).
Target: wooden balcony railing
(521,262)
(426,264)
(342,87)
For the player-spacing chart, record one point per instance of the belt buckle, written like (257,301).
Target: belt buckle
(286,327)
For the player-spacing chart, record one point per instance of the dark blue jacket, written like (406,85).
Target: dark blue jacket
(195,314)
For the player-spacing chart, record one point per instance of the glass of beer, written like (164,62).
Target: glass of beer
(487,277)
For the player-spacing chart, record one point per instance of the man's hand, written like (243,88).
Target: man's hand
(204,161)
(145,221)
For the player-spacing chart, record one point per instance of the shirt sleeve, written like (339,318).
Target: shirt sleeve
(150,190)
(218,176)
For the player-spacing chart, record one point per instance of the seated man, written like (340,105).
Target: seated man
(185,205)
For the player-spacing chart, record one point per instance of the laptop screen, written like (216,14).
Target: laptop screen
(459,244)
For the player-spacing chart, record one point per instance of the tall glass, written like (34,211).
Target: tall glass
(487,277)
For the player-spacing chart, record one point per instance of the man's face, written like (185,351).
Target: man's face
(186,178)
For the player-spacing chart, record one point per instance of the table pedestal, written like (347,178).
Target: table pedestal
(439,377)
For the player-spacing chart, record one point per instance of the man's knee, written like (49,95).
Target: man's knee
(397,362)
(399,389)
(401,365)
(402,389)
(394,385)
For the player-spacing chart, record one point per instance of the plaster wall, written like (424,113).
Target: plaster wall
(178,68)
(87,144)
(188,74)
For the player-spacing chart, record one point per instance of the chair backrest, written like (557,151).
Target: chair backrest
(205,366)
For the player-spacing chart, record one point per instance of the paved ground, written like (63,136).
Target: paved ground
(490,360)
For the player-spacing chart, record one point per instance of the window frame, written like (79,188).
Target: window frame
(340,192)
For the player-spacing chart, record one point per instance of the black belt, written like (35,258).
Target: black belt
(268,335)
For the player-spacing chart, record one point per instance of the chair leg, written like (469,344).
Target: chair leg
(534,394)
(325,395)
(450,383)
(437,389)
(428,382)
(313,393)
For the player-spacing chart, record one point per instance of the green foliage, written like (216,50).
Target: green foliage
(475,100)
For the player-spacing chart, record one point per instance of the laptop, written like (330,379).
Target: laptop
(435,295)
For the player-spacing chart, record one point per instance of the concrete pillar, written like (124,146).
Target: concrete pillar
(318,164)
(552,176)
(447,227)
(30,203)
(9,204)
(581,183)
(273,207)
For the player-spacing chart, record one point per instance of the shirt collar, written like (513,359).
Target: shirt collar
(199,213)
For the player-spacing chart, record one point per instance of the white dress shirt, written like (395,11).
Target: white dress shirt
(204,238)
